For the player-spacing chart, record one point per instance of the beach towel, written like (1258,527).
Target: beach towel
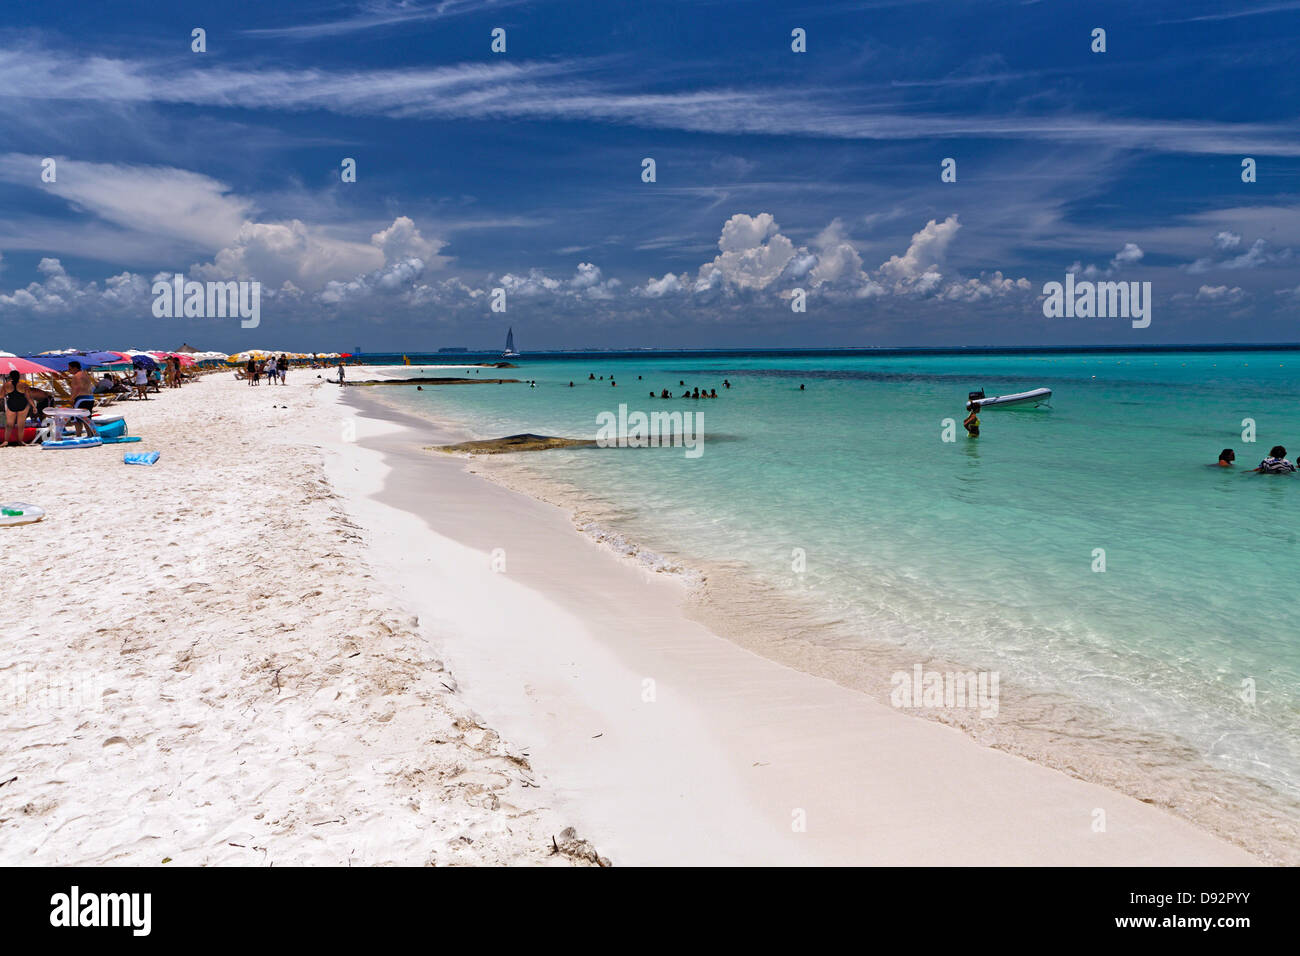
(141,457)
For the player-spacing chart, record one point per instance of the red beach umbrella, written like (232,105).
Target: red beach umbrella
(23,366)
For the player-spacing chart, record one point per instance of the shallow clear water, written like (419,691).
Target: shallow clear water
(983,551)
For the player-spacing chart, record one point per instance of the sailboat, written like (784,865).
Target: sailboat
(510,345)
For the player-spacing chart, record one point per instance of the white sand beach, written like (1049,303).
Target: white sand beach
(319,643)
(199,665)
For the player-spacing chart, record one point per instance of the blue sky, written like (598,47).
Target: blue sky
(775,170)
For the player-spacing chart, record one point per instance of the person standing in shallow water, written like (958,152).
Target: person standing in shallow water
(972,421)
(1275,464)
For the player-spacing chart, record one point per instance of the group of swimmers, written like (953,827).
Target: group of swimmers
(707,393)
(688,393)
(1276,463)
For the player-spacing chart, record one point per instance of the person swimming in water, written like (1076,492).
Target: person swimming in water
(1226,458)
(972,421)
(1276,463)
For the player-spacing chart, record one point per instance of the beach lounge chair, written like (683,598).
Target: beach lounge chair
(56,387)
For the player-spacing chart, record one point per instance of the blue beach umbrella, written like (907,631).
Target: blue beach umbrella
(60,363)
(105,358)
(57,363)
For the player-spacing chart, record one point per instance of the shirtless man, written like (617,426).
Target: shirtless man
(82,387)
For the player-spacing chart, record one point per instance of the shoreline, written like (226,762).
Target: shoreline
(1047,727)
(721,675)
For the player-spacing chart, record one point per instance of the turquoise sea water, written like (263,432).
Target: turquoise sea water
(983,551)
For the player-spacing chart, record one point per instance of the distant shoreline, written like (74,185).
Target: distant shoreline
(385,358)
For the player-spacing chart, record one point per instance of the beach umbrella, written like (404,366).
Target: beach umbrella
(145,362)
(52,362)
(105,358)
(16,363)
(62,361)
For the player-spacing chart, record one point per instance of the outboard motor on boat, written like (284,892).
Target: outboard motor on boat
(973,397)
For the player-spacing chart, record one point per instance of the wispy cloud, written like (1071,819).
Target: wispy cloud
(157,200)
(1237,14)
(553,90)
(377,16)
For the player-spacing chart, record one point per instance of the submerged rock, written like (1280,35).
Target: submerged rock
(512,443)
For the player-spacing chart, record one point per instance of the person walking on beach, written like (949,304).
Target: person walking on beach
(250,371)
(284,369)
(16,405)
(271,374)
(972,421)
(340,373)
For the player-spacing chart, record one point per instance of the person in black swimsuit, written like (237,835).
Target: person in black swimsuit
(16,405)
